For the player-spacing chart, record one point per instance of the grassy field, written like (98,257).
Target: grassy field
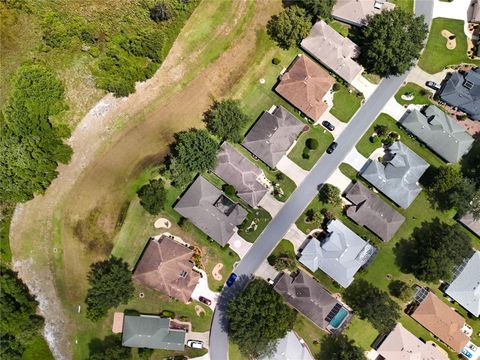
(436,56)
(420,95)
(345,103)
(406,5)
(37,350)
(366,147)
(324,139)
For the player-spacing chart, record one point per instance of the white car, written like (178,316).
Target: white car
(195,344)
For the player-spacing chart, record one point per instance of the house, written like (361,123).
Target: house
(462,90)
(307,296)
(355,12)
(443,322)
(304,85)
(398,175)
(336,52)
(291,347)
(465,288)
(273,135)
(471,223)
(152,332)
(401,344)
(166,266)
(236,170)
(474,12)
(340,254)
(369,210)
(210,210)
(439,132)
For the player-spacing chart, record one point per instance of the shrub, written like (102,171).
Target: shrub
(401,290)
(145,353)
(381,129)
(279,176)
(462,117)
(228,189)
(330,194)
(160,12)
(275,61)
(305,154)
(167,314)
(336,87)
(312,144)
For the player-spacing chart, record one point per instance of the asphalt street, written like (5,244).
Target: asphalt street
(308,189)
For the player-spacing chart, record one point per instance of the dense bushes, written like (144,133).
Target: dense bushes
(30,146)
(160,12)
(63,32)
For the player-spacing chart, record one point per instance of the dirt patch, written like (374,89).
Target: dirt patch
(216,272)
(199,310)
(451,41)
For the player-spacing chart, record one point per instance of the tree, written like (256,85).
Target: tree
(471,163)
(257,317)
(153,196)
(373,304)
(391,42)
(194,150)
(229,189)
(110,285)
(401,290)
(160,12)
(461,197)
(289,27)
(111,348)
(444,179)
(319,9)
(30,146)
(19,321)
(433,250)
(381,130)
(330,194)
(226,120)
(339,348)
(311,143)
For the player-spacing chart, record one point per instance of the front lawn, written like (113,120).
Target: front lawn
(303,156)
(406,5)
(436,56)
(345,103)
(254,224)
(420,95)
(284,247)
(366,146)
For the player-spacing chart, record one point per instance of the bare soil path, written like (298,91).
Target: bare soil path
(115,141)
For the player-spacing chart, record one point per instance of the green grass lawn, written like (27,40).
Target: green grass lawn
(324,139)
(362,331)
(234,352)
(284,247)
(374,79)
(37,349)
(420,95)
(342,29)
(309,332)
(254,224)
(436,56)
(345,103)
(406,5)
(366,147)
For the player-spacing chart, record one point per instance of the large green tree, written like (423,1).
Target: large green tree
(391,42)
(289,27)
(30,145)
(471,163)
(318,9)
(153,196)
(373,304)
(110,285)
(226,120)
(433,250)
(257,317)
(19,321)
(339,348)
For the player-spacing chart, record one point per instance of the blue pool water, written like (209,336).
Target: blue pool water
(338,319)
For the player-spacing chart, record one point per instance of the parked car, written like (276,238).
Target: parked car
(472,347)
(195,344)
(204,300)
(466,353)
(231,279)
(433,85)
(328,125)
(332,147)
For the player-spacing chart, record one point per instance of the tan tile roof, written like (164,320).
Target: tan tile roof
(443,322)
(165,266)
(304,85)
(356,11)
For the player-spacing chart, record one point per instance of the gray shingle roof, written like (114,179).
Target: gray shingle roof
(470,223)
(340,255)
(153,332)
(333,50)
(308,297)
(439,132)
(463,91)
(237,170)
(210,210)
(272,135)
(372,212)
(290,348)
(398,177)
(355,12)
(465,289)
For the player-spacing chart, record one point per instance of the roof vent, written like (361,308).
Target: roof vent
(183,274)
(468,84)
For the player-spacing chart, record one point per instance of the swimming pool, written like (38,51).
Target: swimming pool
(338,318)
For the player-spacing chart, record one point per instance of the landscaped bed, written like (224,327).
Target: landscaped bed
(436,56)
(345,103)
(420,95)
(254,224)
(310,147)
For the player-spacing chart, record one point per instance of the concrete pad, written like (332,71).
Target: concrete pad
(292,170)
(364,86)
(339,125)
(339,180)
(266,271)
(202,336)
(355,159)
(117,326)
(420,77)
(239,245)
(295,236)
(202,289)
(270,204)
(394,109)
(457,9)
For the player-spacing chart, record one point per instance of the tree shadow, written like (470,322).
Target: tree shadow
(97,345)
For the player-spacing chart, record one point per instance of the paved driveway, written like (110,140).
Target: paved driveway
(202,289)
(339,125)
(364,86)
(292,170)
(355,159)
(457,9)
(339,180)
(239,245)
(270,204)
(296,236)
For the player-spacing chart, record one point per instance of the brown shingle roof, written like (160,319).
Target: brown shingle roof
(304,85)
(443,322)
(165,266)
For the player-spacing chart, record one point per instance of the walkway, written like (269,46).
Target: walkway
(292,170)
